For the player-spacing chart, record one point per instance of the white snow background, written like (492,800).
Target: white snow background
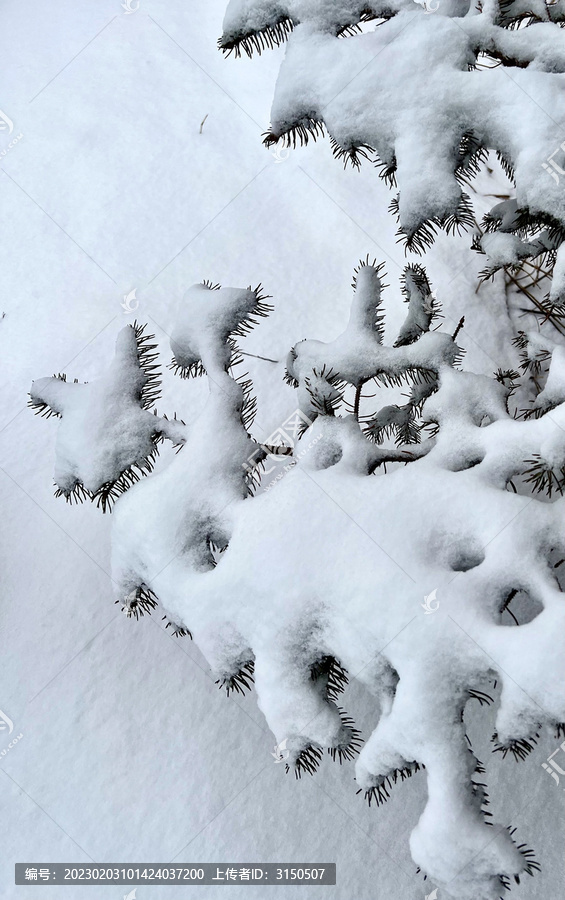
(129,751)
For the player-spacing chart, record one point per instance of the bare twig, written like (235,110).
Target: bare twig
(539,306)
(266,358)
(459,327)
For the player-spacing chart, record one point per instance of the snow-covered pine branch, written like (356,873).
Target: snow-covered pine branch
(415,96)
(322,577)
(107,438)
(359,355)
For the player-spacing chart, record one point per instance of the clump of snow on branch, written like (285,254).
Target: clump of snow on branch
(107,437)
(322,577)
(425,97)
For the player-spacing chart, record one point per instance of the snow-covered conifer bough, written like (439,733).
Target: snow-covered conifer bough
(424,97)
(300,587)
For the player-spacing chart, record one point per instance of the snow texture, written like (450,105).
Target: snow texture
(223,561)
(425,96)
(107,438)
(121,125)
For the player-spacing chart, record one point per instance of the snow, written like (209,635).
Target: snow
(242,610)
(129,750)
(503,249)
(106,428)
(513,109)
(358,354)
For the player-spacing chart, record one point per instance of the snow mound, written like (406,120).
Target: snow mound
(425,97)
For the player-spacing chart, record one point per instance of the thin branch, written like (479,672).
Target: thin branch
(558,327)
(266,358)
(459,327)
